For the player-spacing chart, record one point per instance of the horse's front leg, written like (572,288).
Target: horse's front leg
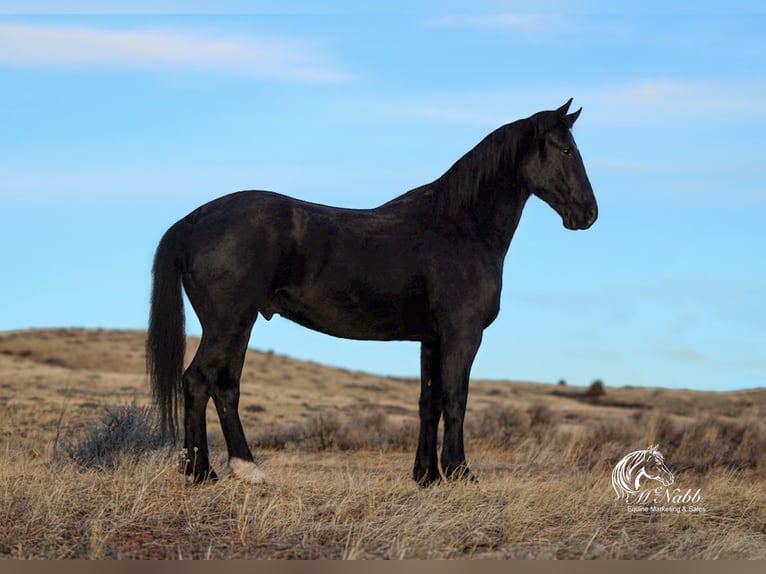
(426,470)
(457,354)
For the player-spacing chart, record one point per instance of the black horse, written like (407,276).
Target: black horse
(426,266)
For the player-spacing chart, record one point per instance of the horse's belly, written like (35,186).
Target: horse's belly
(376,318)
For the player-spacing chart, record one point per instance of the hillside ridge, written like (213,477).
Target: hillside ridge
(90,367)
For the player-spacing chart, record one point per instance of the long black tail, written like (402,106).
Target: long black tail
(166,339)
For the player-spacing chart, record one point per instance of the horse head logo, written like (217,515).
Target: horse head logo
(638,465)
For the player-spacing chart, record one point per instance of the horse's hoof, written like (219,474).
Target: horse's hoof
(247,471)
(427,479)
(201,478)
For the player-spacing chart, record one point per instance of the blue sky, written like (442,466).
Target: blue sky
(120,118)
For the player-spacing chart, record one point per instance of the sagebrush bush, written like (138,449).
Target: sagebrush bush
(374,430)
(596,389)
(322,431)
(124,432)
(366,430)
(499,426)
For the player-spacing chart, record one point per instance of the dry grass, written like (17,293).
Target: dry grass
(338,464)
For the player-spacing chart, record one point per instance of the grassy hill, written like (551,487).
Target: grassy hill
(337,447)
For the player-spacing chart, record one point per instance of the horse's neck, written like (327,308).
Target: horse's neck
(489,212)
(483,192)
(495,215)
(503,218)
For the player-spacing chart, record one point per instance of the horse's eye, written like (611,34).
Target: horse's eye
(566,151)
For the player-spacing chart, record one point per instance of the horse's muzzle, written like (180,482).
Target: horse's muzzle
(583,220)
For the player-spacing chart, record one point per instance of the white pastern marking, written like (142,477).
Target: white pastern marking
(247,471)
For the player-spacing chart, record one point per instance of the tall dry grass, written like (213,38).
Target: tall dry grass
(341,489)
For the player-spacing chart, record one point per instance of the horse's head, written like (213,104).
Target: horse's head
(554,170)
(655,468)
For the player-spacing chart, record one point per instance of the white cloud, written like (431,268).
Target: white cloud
(519,22)
(530,27)
(683,99)
(653,92)
(52,46)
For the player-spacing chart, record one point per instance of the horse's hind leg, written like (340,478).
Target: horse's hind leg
(215,372)
(196,385)
(226,399)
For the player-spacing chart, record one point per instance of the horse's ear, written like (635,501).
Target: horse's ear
(562,111)
(572,118)
(551,120)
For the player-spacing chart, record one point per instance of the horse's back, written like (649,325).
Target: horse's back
(350,273)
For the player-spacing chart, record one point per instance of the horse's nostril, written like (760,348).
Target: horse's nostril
(592,214)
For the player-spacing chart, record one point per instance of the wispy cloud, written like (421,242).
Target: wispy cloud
(639,102)
(529,27)
(684,98)
(653,92)
(54,46)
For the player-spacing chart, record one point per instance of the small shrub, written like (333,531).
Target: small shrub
(596,389)
(367,430)
(500,426)
(280,437)
(125,432)
(539,415)
(322,431)
(374,430)
(402,437)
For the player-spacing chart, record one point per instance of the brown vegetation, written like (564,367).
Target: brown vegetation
(337,448)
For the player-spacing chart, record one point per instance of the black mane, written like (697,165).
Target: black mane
(461,185)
